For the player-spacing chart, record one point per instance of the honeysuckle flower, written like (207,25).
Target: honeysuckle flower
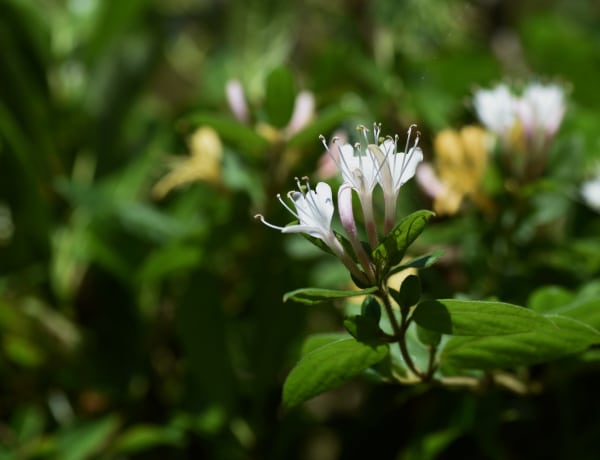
(402,167)
(368,164)
(541,108)
(329,160)
(314,211)
(497,109)
(459,166)
(359,168)
(203,163)
(525,123)
(346,213)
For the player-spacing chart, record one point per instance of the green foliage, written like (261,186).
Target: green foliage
(477,318)
(133,326)
(327,367)
(365,327)
(390,252)
(555,337)
(280,92)
(410,292)
(312,296)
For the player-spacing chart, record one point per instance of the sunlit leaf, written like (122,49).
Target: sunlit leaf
(557,337)
(478,318)
(392,249)
(327,367)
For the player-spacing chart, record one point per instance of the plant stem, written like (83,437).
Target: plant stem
(399,331)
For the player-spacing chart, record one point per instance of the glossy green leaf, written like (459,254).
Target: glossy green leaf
(393,247)
(314,341)
(280,96)
(557,337)
(477,318)
(312,296)
(327,367)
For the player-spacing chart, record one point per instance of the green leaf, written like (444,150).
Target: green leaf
(365,327)
(427,337)
(554,338)
(586,311)
(477,318)
(410,292)
(419,262)
(314,341)
(391,250)
(548,298)
(328,367)
(280,96)
(311,296)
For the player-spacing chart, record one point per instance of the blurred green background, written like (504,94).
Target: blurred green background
(135,324)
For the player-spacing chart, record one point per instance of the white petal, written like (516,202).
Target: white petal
(405,165)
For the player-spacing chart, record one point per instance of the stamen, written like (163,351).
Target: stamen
(324,142)
(262,219)
(376,131)
(285,205)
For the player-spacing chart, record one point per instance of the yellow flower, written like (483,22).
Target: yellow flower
(203,163)
(460,163)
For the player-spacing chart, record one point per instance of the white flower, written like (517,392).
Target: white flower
(360,169)
(314,211)
(590,191)
(541,108)
(496,109)
(396,169)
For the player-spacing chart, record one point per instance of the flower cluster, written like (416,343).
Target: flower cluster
(525,123)
(536,113)
(364,166)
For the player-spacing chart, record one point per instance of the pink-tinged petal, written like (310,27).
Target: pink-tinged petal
(304,110)
(429,182)
(237,100)
(541,108)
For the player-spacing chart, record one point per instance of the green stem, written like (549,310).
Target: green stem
(399,331)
